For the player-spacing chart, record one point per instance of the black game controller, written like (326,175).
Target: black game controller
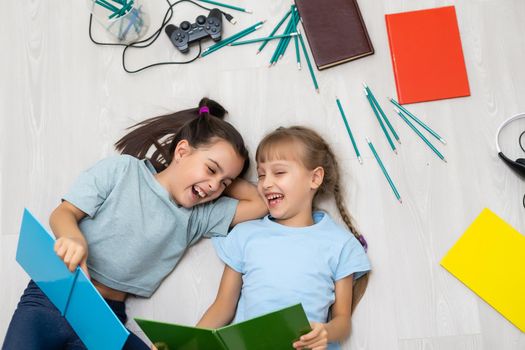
(188,32)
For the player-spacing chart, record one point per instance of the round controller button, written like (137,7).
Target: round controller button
(201,19)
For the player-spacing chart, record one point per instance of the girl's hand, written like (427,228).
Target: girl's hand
(317,339)
(73,251)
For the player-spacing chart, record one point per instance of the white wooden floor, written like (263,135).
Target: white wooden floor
(65,101)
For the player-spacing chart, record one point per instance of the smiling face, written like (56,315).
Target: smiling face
(199,175)
(288,188)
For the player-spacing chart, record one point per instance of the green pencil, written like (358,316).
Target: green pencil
(107,5)
(267,38)
(376,156)
(275,29)
(381,112)
(226,5)
(348,130)
(232,38)
(296,42)
(308,61)
(123,10)
(421,135)
(414,118)
(380,121)
(279,47)
(292,28)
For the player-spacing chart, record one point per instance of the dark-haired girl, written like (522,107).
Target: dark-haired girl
(129,219)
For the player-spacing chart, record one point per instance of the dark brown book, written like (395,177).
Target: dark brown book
(335,31)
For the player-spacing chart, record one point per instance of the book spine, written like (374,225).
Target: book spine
(308,34)
(71,291)
(393,57)
(218,336)
(358,11)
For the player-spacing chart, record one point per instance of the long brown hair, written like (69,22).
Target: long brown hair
(313,152)
(196,125)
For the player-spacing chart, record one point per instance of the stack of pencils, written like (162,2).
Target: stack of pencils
(118,8)
(290,31)
(388,129)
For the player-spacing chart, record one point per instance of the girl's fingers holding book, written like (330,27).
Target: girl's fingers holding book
(69,259)
(317,338)
(71,251)
(60,249)
(77,258)
(321,345)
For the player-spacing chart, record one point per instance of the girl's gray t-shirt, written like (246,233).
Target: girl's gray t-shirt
(136,233)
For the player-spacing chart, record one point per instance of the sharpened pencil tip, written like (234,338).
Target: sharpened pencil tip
(364,85)
(298,66)
(360,160)
(445,160)
(258,52)
(443,141)
(399,141)
(248,11)
(395,151)
(317,90)
(400,201)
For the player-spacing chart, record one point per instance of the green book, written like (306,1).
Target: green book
(276,330)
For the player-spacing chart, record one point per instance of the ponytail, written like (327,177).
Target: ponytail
(199,126)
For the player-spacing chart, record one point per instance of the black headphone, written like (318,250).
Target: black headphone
(518,164)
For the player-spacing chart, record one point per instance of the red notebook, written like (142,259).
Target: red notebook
(426,55)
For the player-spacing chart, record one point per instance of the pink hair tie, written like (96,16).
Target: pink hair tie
(204,109)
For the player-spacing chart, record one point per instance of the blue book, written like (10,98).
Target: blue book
(71,292)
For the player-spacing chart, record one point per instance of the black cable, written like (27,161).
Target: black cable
(153,37)
(519,141)
(521,146)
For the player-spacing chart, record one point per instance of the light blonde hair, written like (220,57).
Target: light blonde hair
(309,148)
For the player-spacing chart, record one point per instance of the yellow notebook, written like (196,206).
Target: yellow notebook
(490,259)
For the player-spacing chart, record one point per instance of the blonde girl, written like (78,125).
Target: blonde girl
(295,254)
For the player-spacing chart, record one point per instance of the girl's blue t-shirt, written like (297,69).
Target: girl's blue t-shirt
(282,265)
(135,231)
